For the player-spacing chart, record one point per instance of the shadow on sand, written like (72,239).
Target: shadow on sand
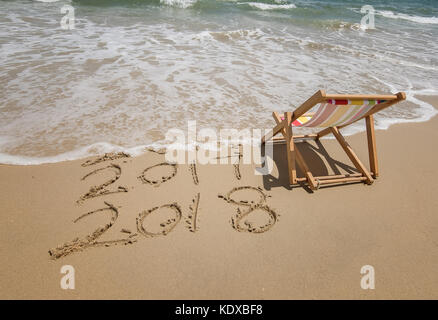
(319,161)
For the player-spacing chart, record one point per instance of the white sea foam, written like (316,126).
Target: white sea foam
(179,3)
(267,6)
(403,16)
(417,19)
(101,148)
(91,150)
(53,1)
(424,112)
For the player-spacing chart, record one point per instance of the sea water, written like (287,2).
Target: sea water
(130,70)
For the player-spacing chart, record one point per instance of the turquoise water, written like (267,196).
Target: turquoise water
(130,69)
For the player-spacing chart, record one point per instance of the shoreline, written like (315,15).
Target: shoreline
(302,245)
(105,147)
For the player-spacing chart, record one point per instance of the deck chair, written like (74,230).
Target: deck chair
(335,111)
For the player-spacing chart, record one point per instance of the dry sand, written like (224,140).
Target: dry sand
(176,239)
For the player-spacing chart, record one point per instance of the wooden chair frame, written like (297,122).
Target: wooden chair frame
(294,156)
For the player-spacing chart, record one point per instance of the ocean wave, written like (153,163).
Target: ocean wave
(100,148)
(141,67)
(339,25)
(267,6)
(403,16)
(179,3)
(84,152)
(231,35)
(425,112)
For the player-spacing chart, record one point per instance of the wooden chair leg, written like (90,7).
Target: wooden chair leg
(303,166)
(350,153)
(290,148)
(372,145)
(298,157)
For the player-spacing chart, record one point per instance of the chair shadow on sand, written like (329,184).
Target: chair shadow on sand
(315,154)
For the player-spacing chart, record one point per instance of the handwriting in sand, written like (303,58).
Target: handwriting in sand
(238,221)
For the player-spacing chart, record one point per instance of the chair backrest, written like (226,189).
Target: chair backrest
(341,110)
(336,113)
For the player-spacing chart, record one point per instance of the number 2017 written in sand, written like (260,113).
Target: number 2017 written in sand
(174,211)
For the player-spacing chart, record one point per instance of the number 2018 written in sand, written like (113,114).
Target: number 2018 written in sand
(174,212)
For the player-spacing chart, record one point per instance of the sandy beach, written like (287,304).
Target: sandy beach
(174,232)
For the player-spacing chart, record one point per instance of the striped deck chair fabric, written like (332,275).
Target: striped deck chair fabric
(336,113)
